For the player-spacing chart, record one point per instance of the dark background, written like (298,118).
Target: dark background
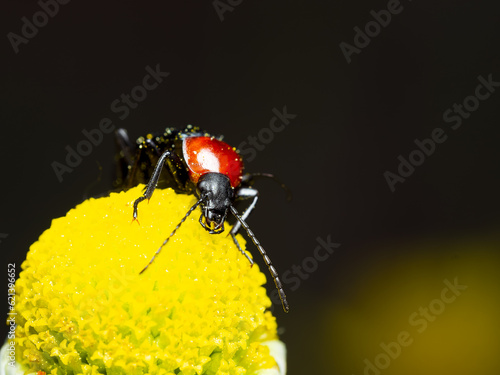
(353,120)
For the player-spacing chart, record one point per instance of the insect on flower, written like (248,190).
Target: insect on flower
(200,164)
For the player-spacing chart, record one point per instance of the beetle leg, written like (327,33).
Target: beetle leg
(240,249)
(151,186)
(245,193)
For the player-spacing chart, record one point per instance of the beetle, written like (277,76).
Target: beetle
(200,164)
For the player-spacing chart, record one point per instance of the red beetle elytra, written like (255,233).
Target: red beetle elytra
(199,164)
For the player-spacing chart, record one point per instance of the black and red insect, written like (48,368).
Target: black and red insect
(200,164)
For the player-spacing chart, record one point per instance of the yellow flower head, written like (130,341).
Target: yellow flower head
(83,307)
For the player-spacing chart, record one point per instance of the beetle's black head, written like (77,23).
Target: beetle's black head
(217,196)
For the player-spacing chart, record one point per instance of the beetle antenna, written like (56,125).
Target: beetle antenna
(171,234)
(272,270)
